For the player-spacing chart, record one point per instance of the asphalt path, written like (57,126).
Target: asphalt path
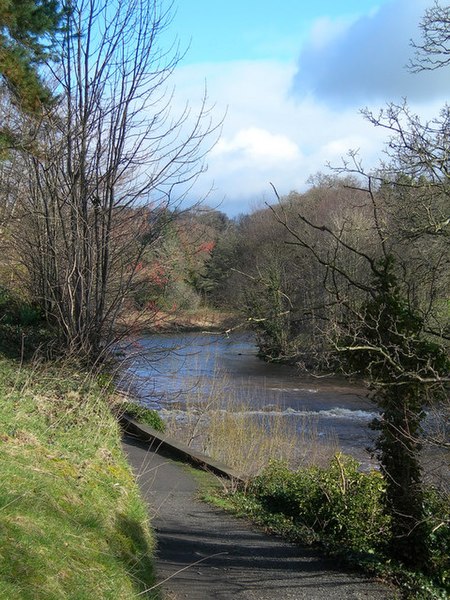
(204,553)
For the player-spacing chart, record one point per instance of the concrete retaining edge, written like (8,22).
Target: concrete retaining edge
(166,445)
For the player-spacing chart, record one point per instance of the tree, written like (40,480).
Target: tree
(218,268)
(276,284)
(433,52)
(26,30)
(172,273)
(379,332)
(107,161)
(392,325)
(416,171)
(257,282)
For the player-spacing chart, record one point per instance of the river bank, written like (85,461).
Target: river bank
(148,322)
(211,388)
(191,378)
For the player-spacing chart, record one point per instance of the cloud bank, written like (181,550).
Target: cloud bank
(287,120)
(366,61)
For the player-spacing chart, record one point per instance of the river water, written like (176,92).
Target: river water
(171,371)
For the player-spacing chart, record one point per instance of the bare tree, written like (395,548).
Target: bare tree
(281,289)
(108,157)
(416,170)
(433,52)
(380,331)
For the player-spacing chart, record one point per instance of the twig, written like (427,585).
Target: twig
(180,571)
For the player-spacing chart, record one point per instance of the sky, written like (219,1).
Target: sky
(291,78)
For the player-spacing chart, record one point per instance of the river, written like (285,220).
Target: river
(170,371)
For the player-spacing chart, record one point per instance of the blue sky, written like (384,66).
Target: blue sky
(292,77)
(249,29)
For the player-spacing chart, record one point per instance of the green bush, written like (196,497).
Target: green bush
(437,514)
(16,311)
(144,415)
(345,510)
(341,504)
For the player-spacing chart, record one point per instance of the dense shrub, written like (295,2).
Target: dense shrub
(22,327)
(340,503)
(345,509)
(437,515)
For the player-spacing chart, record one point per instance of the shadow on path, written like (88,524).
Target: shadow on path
(204,553)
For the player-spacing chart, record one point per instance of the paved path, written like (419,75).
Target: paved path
(241,563)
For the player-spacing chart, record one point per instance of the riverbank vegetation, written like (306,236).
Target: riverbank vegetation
(298,485)
(73,522)
(224,425)
(342,511)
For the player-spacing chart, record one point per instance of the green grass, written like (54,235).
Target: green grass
(72,523)
(144,415)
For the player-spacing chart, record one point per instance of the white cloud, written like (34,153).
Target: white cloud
(271,134)
(268,134)
(325,30)
(258,144)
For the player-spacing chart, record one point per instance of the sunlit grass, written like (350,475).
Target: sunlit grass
(72,524)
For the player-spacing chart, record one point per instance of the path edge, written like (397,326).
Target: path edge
(166,445)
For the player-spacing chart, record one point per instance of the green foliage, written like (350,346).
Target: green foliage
(22,330)
(396,349)
(23,342)
(170,275)
(218,268)
(144,415)
(403,367)
(105,381)
(340,504)
(344,510)
(25,26)
(437,516)
(16,311)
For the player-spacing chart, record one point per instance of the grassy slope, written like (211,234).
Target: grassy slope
(72,524)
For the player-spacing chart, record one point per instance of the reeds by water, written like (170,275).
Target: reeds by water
(230,429)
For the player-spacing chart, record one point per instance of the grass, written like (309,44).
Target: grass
(72,523)
(144,415)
